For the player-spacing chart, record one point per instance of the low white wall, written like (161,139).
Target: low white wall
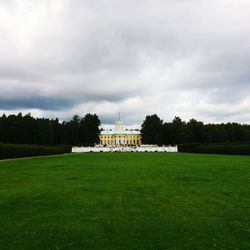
(146,148)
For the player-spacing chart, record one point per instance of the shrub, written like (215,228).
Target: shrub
(8,151)
(188,147)
(230,149)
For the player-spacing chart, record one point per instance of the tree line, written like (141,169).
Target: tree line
(25,129)
(83,131)
(155,131)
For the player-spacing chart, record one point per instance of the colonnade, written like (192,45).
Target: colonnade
(121,140)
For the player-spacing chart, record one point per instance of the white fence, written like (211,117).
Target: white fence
(142,148)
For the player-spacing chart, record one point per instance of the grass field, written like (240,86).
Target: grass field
(125,201)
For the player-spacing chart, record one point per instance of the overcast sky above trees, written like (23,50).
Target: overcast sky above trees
(171,57)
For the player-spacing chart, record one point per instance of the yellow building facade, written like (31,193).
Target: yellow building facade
(119,136)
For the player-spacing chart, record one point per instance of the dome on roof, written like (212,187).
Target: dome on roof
(119,125)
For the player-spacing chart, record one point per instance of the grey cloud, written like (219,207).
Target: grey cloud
(43,103)
(54,102)
(186,58)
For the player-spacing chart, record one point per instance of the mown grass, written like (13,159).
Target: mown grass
(125,201)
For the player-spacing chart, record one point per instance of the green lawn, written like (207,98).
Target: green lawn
(125,201)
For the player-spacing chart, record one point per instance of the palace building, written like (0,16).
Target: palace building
(120,136)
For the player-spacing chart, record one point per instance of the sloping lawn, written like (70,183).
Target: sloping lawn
(125,201)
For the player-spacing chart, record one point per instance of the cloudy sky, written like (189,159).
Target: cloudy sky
(171,57)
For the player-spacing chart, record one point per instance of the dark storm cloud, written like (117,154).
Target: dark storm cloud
(44,103)
(185,58)
(52,103)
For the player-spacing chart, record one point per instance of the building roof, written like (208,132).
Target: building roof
(120,132)
(119,122)
(119,129)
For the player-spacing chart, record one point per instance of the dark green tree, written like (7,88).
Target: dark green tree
(178,130)
(151,130)
(73,129)
(89,129)
(167,133)
(194,131)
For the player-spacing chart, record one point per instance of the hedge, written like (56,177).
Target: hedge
(229,149)
(8,151)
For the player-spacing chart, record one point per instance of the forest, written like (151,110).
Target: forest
(19,129)
(83,131)
(155,131)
